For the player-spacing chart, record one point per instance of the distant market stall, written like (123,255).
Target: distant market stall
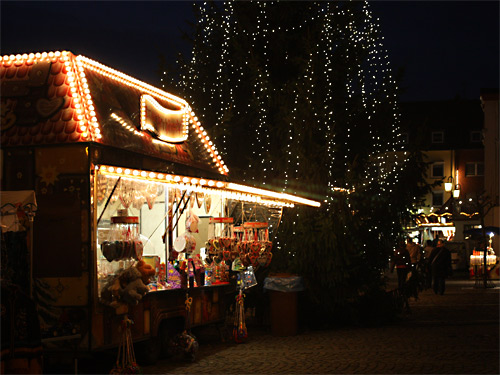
(135,206)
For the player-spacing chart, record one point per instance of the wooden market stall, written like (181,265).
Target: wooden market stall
(124,174)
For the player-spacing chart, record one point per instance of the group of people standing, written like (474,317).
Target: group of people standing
(436,262)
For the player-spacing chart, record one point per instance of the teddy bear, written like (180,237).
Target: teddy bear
(146,270)
(111,294)
(132,285)
(127,287)
(134,291)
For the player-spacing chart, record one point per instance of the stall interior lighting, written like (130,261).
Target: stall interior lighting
(226,189)
(272,194)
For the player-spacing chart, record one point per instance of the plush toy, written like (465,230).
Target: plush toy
(127,287)
(146,271)
(134,291)
(111,294)
(128,275)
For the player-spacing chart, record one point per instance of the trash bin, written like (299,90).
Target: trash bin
(283,291)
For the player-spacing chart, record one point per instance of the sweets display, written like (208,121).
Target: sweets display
(124,239)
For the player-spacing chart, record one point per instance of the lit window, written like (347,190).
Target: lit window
(437,137)
(437,170)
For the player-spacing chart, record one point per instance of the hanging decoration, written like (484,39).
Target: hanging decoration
(125,360)
(240,332)
(185,343)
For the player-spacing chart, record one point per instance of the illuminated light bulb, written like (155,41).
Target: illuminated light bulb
(203,181)
(128,171)
(177,178)
(136,173)
(160,176)
(111,169)
(168,177)
(119,170)
(185,179)
(211,183)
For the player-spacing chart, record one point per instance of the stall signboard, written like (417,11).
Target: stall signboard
(165,124)
(225,220)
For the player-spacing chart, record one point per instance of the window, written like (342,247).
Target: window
(474,169)
(437,198)
(475,136)
(437,137)
(437,170)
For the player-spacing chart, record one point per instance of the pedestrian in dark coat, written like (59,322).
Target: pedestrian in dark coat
(402,262)
(440,263)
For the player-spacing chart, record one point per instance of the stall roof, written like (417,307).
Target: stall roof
(60,98)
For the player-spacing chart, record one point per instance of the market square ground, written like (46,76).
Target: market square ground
(457,333)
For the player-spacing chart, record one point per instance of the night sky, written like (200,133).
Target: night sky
(446,48)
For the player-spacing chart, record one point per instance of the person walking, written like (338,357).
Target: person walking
(402,262)
(415,252)
(427,267)
(440,263)
(429,246)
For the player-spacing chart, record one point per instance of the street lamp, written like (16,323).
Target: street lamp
(450,186)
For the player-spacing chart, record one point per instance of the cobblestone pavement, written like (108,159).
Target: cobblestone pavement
(457,333)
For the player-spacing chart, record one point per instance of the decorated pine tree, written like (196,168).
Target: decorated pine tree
(300,96)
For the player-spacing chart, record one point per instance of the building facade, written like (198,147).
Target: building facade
(490,104)
(450,135)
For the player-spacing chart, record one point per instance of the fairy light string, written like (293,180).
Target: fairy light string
(344,85)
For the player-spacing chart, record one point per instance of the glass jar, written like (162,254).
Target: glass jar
(124,239)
